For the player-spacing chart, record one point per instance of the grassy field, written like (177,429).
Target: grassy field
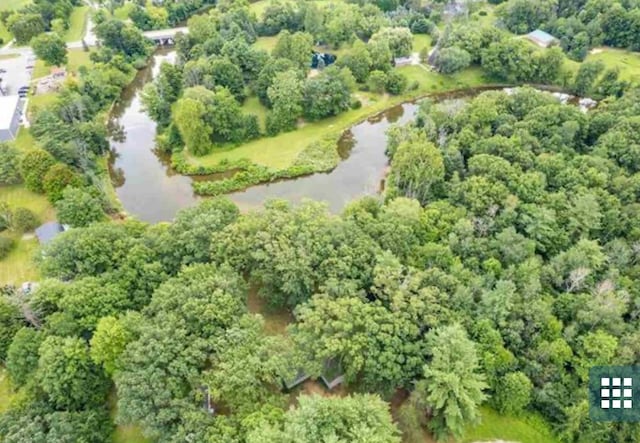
(282,150)
(77,24)
(122,13)
(253,106)
(24,141)
(75,58)
(19,266)
(522,430)
(266,43)
(628,62)
(420,41)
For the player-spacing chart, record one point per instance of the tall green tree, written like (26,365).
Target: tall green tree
(452,388)
(51,49)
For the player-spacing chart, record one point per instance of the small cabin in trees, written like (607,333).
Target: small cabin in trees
(541,38)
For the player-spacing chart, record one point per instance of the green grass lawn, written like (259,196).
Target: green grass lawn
(280,151)
(77,23)
(266,43)
(19,266)
(39,102)
(529,429)
(24,141)
(628,62)
(75,58)
(420,41)
(253,106)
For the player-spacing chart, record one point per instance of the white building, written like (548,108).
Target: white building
(9,117)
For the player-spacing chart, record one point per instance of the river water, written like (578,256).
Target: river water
(151,191)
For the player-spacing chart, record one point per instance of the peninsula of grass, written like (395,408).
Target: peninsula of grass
(312,147)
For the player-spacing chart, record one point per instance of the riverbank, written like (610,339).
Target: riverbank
(312,147)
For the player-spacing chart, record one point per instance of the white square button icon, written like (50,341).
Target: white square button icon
(616,381)
(605,381)
(616,393)
(605,393)
(628,393)
(604,404)
(628,382)
(627,404)
(615,404)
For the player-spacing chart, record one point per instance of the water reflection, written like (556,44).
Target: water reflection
(145,184)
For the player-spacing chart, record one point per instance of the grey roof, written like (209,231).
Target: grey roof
(48,232)
(8,105)
(541,36)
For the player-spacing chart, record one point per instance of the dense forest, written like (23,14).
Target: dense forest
(500,266)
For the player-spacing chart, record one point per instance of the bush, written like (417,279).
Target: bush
(9,165)
(6,245)
(396,83)
(34,167)
(23,220)
(421,26)
(377,81)
(451,60)
(78,208)
(414,85)
(57,179)
(356,104)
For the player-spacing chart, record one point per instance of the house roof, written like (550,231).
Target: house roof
(48,232)
(541,37)
(8,105)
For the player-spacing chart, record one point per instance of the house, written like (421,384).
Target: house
(10,107)
(48,232)
(300,377)
(541,38)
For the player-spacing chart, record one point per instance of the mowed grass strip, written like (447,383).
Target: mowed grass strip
(530,428)
(280,151)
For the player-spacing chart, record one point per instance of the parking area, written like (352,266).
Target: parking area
(16,72)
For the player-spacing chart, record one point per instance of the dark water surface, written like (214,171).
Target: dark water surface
(151,191)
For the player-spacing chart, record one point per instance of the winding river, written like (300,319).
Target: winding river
(151,191)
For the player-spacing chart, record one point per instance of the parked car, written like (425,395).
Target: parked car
(3,71)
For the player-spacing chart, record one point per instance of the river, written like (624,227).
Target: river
(151,191)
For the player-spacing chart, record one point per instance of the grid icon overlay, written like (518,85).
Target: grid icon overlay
(614,393)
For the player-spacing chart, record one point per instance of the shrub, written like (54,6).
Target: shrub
(356,104)
(453,59)
(34,167)
(24,220)
(6,245)
(57,179)
(377,81)
(9,165)
(78,208)
(396,83)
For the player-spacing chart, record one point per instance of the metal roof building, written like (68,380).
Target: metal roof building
(48,232)
(9,117)
(541,38)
